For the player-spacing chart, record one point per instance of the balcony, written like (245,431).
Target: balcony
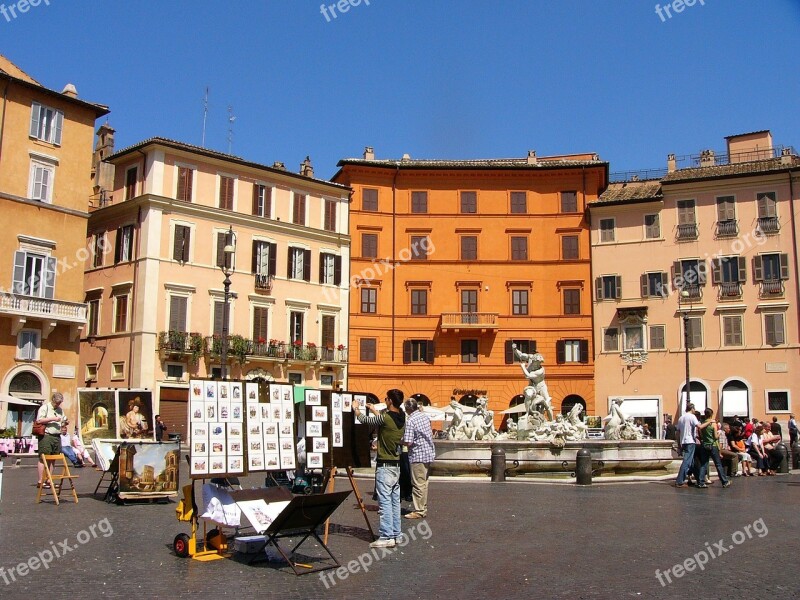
(727,229)
(771,288)
(469,320)
(693,291)
(263,282)
(245,350)
(769,224)
(181,343)
(688,231)
(730,290)
(50,312)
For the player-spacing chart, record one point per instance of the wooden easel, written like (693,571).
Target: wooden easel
(58,460)
(356,492)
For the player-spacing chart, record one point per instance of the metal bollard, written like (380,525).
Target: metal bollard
(796,455)
(784,466)
(583,467)
(498,464)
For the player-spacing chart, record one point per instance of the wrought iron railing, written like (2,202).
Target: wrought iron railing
(769,224)
(728,228)
(693,291)
(469,320)
(263,282)
(688,231)
(772,287)
(728,290)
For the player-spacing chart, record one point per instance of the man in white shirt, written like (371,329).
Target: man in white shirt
(687,425)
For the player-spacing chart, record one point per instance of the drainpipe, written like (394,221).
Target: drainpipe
(394,241)
(138,230)
(3,122)
(794,247)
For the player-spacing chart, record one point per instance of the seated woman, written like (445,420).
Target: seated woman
(737,445)
(774,457)
(756,451)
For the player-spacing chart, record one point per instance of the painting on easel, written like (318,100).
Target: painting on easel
(97,414)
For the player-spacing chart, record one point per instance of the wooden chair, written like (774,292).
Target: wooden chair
(50,476)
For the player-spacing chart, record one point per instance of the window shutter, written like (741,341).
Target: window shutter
(177,313)
(531,346)
(784,266)
(177,244)
(702,272)
(19,272)
(219,317)
(273,259)
(721,209)
(49,276)
(778,325)
(290,263)
(584,345)
(328,330)
(36,115)
(259,323)
(221,249)
(716,271)
(664,285)
(560,352)
(406,352)
(645,284)
(758,268)
(337,270)
(742,269)
(598,287)
(256,193)
(509,352)
(118,246)
(618,287)
(430,352)
(184,191)
(769,328)
(677,272)
(322,257)
(255,258)
(306,265)
(59,126)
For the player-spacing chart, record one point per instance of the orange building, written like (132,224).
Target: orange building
(455,260)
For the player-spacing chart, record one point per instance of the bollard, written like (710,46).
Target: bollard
(1,478)
(796,455)
(498,464)
(784,466)
(583,467)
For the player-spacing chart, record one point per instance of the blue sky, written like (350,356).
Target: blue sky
(435,79)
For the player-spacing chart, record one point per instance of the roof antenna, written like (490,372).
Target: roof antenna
(205,117)
(231,119)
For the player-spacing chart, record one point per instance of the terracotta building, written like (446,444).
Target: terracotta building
(157,298)
(456,260)
(45,189)
(706,253)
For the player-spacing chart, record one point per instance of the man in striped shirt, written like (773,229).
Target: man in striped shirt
(418,437)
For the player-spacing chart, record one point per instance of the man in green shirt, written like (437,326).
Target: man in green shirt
(52,416)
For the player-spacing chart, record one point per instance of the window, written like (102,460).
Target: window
(519,203)
(572,302)
(469,247)
(328,331)
(34,274)
(767,205)
(419,202)
(777,401)
(367,349)
(369,245)
(690,275)
(98,249)
(519,302)
(185,184)
(726,209)
(654,285)
(469,351)
(369,300)
(121,313)
(572,351)
(262,200)
(608,287)
(131,177)
(732,330)
(219,317)
(226,188)
(469,301)
(296,331)
(180,245)
(174,371)
(295,378)
(469,202)
(118,370)
(417,351)
(774,332)
(569,247)
(657,339)
(419,302)
(329,218)
(771,267)
(523,346)
(729,269)
(91,372)
(695,332)
(123,252)
(299,266)
(419,247)
(223,260)
(260,323)
(299,209)
(46,123)
(687,222)
(28,344)
(634,337)
(369,199)
(93,325)
(652,227)
(41,181)
(264,258)
(607,230)
(569,202)
(519,248)
(330,269)
(177,313)
(611,339)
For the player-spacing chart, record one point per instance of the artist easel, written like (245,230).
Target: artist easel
(356,493)
(113,485)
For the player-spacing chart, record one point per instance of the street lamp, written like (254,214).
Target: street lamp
(228,266)
(685,313)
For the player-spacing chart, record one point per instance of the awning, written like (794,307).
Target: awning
(17,401)
(734,403)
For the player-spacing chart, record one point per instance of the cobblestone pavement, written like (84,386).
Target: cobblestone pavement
(502,540)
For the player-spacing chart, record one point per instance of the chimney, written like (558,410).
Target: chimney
(279,165)
(305,168)
(532,160)
(369,153)
(103,172)
(786,156)
(671,165)
(707,158)
(70,90)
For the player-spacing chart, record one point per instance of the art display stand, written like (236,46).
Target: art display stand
(113,483)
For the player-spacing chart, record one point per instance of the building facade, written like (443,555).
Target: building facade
(45,189)
(453,262)
(706,254)
(176,219)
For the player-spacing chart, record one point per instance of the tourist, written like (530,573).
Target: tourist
(769,441)
(670,430)
(775,428)
(709,449)
(161,427)
(726,452)
(80,451)
(687,425)
(391,425)
(67,449)
(792,430)
(51,415)
(756,451)
(744,458)
(418,437)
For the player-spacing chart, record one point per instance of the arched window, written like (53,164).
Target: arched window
(570,401)
(422,399)
(698,395)
(735,400)
(469,400)
(25,383)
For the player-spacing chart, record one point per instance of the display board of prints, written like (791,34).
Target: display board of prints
(333,437)
(236,427)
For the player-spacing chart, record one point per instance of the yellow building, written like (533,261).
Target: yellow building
(45,187)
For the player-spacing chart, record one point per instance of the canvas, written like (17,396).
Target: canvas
(97,414)
(148,468)
(135,409)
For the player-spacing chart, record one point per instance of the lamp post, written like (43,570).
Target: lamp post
(228,267)
(685,314)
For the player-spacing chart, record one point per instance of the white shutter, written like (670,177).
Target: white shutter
(49,277)
(59,118)
(19,272)
(36,119)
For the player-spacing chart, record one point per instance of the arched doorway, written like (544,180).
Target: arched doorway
(568,403)
(422,399)
(734,401)
(469,400)
(698,395)
(26,387)
(516,401)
